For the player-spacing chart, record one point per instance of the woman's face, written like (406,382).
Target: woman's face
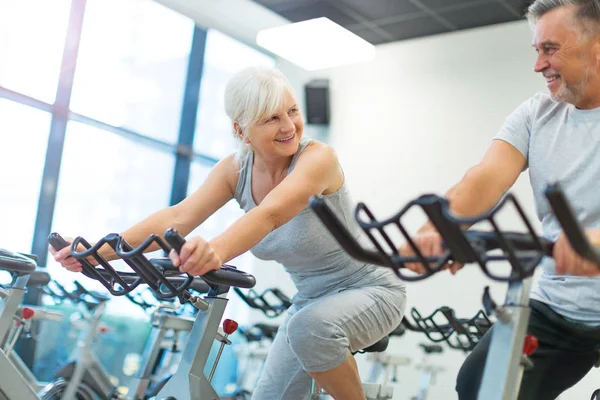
(279,134)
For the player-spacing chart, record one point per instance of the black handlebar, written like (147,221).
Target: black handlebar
(523,250)
(343,236)
(567,219)
(226,276)
(443,326)
(272,302)
(164,281)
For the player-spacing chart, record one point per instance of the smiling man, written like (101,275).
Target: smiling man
(556,136)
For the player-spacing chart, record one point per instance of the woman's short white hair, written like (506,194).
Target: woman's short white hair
(254,94)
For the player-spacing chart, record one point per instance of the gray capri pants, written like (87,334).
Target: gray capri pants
(320,335)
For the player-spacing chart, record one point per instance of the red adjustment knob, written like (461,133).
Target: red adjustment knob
(103,329)
(530,345)
(27,313)
(229,326)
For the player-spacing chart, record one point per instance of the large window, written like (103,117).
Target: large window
(224,57)
(121,98)
(107,183)
(32,38)
(24,132)
(132,66)
(214,226)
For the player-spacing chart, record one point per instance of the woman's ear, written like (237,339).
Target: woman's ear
(238,130)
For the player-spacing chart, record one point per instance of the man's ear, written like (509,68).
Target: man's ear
(595,43)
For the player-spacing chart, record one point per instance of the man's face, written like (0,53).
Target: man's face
(565,56)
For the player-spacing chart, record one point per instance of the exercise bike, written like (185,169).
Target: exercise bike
(523,251)
(165,280)
(272,303)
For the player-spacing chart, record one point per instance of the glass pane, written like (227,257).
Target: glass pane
(215,225)
(107,183)
(24,132)
(223,218)
(132,66)
(32,39)
(224,57)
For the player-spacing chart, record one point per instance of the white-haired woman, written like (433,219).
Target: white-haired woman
(342,305)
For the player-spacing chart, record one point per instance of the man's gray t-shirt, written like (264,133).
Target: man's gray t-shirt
(561,144)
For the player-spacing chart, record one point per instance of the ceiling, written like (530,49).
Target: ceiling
(384,21)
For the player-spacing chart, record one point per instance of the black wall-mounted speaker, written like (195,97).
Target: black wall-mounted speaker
(316,97)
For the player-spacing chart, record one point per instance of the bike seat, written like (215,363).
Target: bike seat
(38,278)
(431,348)
(399,331)
(267,330)
(377,347)
(16,263)
(99,296)
(82,292)
(252,334)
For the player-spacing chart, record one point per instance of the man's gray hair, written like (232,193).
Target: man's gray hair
(588,13)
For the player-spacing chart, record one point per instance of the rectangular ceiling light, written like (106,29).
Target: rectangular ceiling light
(316,44)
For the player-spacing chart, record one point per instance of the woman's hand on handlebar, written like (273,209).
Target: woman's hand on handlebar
(197,257)
(569,262)
(64,258)
(430,244)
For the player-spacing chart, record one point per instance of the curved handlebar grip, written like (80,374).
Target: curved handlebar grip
(454,240)
(452,320)
(521,241)
(81,288)
(64,294)
(409,325)
(57,241)
(341,234)
(573,230)
(81,292)
(174,239)
(227,275)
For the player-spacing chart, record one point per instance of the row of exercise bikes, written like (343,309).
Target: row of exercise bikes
(189,375)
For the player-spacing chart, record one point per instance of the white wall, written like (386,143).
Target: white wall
(413,121)
(410,122)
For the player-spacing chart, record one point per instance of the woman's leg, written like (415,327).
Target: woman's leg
(324,333)
(342,382)
(282,377)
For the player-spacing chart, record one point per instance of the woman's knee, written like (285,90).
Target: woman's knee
(311,336)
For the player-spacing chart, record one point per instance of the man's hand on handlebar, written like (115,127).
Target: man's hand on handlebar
(430,244)
(569,262)
(197,257)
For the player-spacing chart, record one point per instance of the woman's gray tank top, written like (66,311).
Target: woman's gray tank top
(307,250)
